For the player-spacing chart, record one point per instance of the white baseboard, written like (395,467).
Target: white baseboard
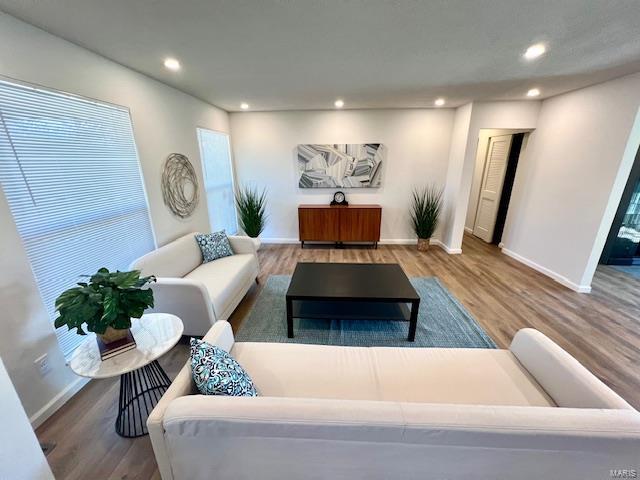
(279,241)
(58,401)
(549,273)
(399,241)
(450,251)
(468,230)
(384,241)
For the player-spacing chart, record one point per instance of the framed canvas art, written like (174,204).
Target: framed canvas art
(345,165)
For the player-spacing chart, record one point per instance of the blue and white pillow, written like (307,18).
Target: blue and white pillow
(215,372)
(214,245)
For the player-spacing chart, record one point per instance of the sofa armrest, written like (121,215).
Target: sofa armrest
(175,259)
(564,379)
(181,386)
(187,299)
(221,335)
(241,244)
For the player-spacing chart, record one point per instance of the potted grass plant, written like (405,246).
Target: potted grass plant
(106,304)
(426,205)
(251,204)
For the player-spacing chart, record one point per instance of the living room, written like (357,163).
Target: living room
(137,126)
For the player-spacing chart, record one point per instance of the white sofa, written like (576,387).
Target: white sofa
(326,412)
(199,293)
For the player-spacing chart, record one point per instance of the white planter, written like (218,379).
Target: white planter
(257,242)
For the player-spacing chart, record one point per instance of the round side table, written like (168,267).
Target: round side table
(142,379)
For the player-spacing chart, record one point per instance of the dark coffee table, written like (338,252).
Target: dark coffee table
(352,291)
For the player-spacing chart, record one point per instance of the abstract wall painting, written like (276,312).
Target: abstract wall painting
(351,165)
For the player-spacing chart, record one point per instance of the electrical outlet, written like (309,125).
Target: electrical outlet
(42,363)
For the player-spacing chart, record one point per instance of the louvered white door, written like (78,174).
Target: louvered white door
(492,180)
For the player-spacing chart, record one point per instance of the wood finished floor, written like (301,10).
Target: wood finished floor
(601,329)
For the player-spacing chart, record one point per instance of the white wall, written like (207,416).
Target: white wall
(21,457)
(566,190)
(459,141)
(164,121)
(569,185)
(417,144)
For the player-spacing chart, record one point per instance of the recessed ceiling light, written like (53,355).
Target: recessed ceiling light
(439,102)
(244,106)
(339,103)
(172,64)
(534,92)
(534,51)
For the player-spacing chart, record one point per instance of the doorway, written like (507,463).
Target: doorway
(497,161)
(623,243)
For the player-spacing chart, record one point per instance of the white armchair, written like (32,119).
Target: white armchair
(199,293)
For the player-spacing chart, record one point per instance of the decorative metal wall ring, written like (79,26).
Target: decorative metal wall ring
(180,185)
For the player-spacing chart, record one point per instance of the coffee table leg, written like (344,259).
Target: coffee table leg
(140,391)
(289,318)
(413,321)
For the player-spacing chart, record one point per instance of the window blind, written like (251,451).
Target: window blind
(218,180)
(70,172)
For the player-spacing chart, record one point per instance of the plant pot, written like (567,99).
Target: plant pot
(423,244)
(111,335)
(256,242)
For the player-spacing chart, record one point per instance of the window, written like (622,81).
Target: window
(218,180)
(69,169)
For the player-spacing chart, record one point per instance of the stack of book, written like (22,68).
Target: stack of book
(108,350)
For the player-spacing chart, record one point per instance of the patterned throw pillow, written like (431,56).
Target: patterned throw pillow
(215,372)
(214,245)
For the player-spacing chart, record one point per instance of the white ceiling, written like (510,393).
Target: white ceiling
(303,54)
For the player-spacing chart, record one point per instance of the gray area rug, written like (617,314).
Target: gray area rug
(442,322)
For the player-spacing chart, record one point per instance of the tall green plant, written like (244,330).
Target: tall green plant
(426,205)
(109,299)
(251,206)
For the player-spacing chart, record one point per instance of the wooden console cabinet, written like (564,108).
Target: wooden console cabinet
(352,223)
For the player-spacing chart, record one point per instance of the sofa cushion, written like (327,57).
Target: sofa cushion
(314,371)
(461,375)
(424,375)
(215,372)
(224,279)
(214,245)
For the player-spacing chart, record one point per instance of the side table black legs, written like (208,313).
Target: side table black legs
(140,391)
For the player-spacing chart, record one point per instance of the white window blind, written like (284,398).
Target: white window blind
(218,180)
(70,172)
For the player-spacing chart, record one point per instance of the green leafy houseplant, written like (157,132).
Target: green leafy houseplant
(251,206)
(106,303)
(426,205)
